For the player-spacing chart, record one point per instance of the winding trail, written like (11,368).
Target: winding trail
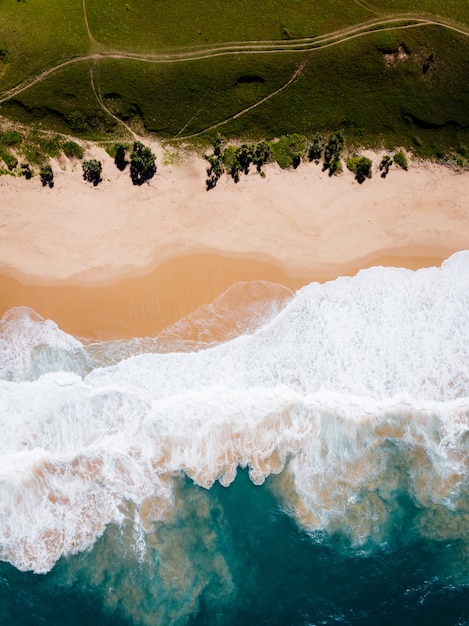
(98,96)
(307,44)
(87,26)
(296,74)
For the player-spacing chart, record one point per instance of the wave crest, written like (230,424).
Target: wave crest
(356,391)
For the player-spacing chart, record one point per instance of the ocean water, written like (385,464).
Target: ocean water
(274,458)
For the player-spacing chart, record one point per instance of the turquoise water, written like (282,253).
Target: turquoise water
(311,468)
(245,562)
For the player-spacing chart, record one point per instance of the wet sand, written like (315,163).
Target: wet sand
(119,261)
(143,305)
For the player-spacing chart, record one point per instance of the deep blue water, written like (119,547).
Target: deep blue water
(279,574)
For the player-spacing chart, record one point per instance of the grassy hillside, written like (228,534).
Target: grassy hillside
(140,25)
(393,83)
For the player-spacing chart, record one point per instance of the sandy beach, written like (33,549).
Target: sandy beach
(118,260)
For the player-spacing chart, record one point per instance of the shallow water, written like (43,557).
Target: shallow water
(274,458)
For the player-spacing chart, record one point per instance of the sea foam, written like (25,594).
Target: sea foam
(355,391)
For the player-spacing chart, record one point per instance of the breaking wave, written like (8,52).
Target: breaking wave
(354,392)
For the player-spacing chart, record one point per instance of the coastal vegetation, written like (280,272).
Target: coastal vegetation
(72,150)
(92,171)
(385,164)
(290,151)
(361,167)
(142,163)
(26,154)
(379,74)
(47,176)
(401,160)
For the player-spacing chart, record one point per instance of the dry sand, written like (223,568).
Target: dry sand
(118,260)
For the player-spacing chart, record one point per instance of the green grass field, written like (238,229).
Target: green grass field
(398,87)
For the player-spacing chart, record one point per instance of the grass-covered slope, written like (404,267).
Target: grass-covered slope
(164,68)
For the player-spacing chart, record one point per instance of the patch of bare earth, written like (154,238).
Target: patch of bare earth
(396,56)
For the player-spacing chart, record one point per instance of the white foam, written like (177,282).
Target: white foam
(357,386)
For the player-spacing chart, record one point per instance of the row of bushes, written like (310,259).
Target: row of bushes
(289,151)
(141,159)
(142,163)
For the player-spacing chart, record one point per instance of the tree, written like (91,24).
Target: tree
(244,156)
(361,166)
(119,159)
(47,176)
(92,171)
(385,164)
(363,169)
(26,171)
(77,122)
(332,153)
(214,171)
(315,150)
(261,155)
(142,163)
(217,145)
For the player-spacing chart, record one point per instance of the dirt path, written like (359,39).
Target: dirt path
(249,108)
(231,48)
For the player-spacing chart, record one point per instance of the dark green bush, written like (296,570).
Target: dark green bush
(77,122)
(385,164)
(119,156)
(47,176)
(142,164)
(92,171)
(26,171)
(332,153)
(361,166)
(215,170)
(262,152)
(315,150)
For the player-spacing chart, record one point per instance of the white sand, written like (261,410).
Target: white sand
(302,220)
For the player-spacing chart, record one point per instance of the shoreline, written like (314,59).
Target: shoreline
(118,260)
(146,304)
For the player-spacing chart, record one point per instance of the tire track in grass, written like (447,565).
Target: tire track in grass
(251,47)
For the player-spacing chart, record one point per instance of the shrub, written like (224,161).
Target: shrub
(9,159)
(229,157)
(289,150)
(40,147)
(401,160)
(215,170)
(72,150)
(262,152)
(11,138)
(332,153)
(142,163)
(244,157)
(26,171)
(361,166)
(77,122)
(385,164)
(47,176)
(119,156)
(315,150)
(217,145)
(92,171)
